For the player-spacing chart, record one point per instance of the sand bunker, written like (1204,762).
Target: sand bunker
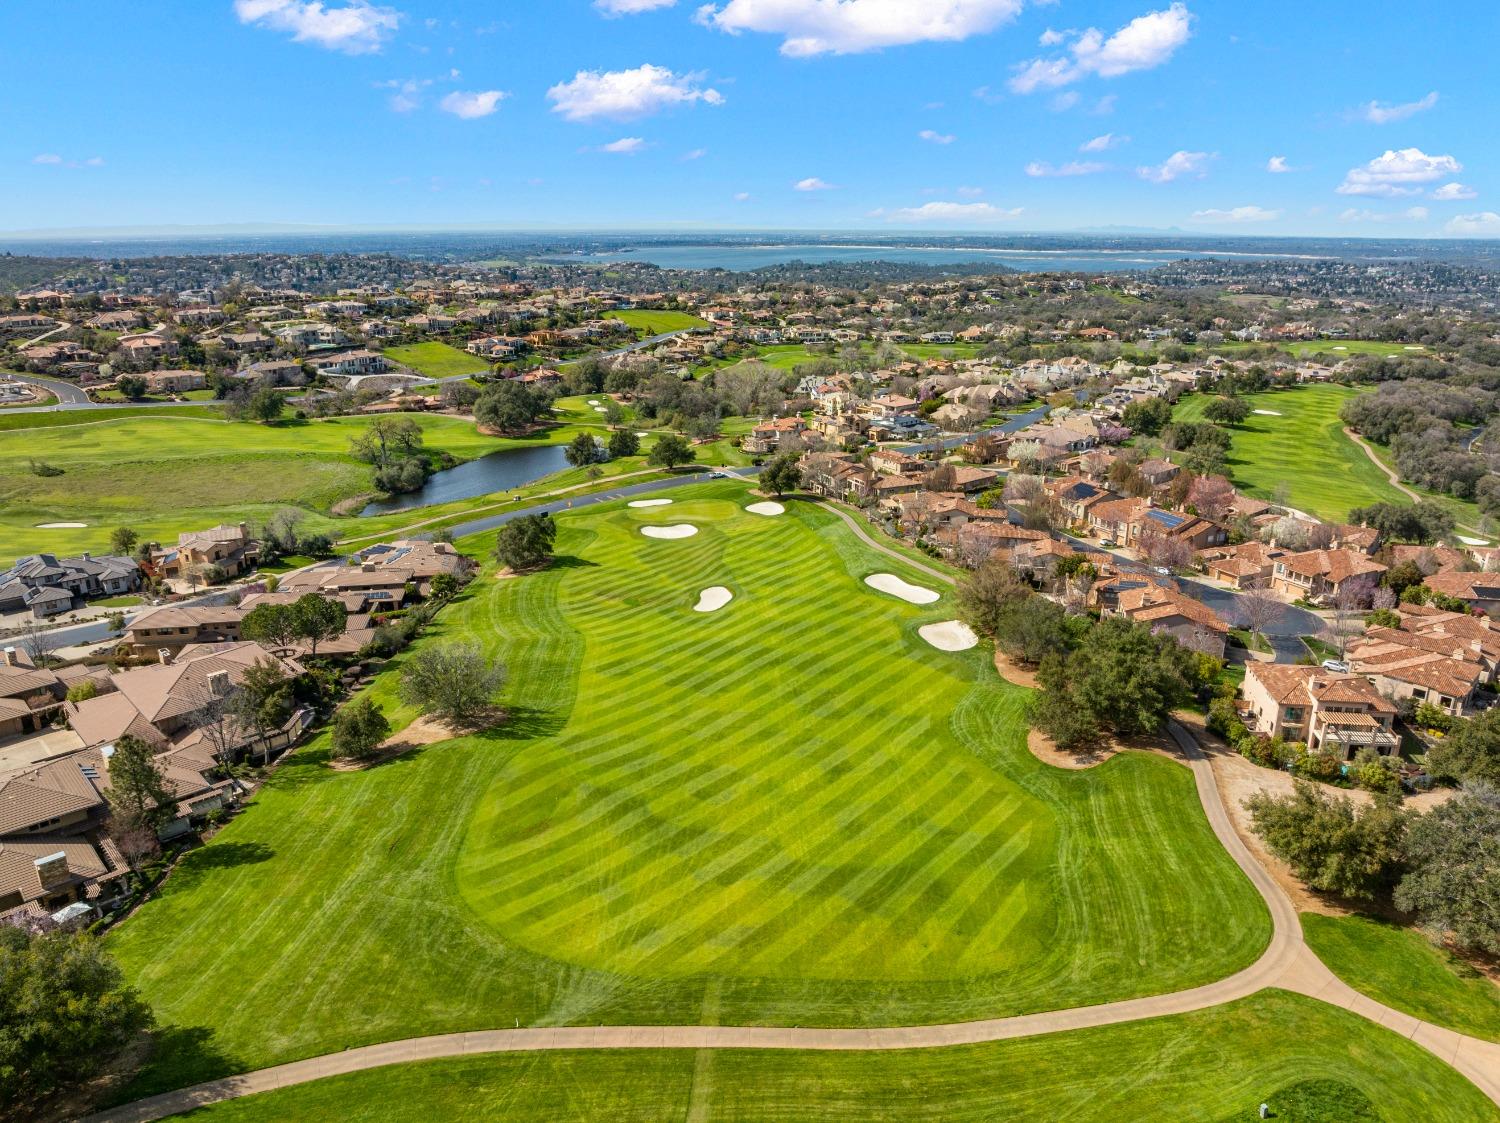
(652,503)
(1266,412)
(593,401)
(681,530)
(601,409)
(1472,541)
(890,583)
(766,508)
(712,599)
(60,526)
(950,635)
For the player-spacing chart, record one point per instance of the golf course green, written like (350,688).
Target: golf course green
(789,811)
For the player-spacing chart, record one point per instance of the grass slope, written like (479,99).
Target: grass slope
(793,811)
(1325,473)
(656,321)
(1402,968)
(1214,1066)
(437,360)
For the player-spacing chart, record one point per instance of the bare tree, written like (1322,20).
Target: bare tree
(1259,609)
(36,642)
(1162,550)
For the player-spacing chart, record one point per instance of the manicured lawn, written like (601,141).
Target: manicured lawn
(943,350)
(1309,1061)
(791,811)
(116,602)
(1319,649)
(1252,641)
(656,321)
(1402,968)
(64,418)
(437,360)
(1304,448)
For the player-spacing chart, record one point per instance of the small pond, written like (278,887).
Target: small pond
(499,471)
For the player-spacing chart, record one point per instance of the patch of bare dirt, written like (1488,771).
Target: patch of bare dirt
(423,731)
(347,508)
(1011,671)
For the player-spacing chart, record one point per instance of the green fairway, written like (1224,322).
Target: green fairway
(1214,1066)
(1302,447)
(791,811)
(437,360)
(1402,968)
(656,321)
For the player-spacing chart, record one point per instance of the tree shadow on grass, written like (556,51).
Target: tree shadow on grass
(180,1056)
(523,723)
(572,561)
(200,864)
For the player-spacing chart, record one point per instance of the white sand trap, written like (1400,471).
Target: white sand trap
(890,583)
(1266,412)
(652,503)
(681,530)
(1341,348)
(642,433)
(1410,348)
(1473,541)
(712,599)
(61,526)
(767,508)
(950,635)
(601,409)
(593,401)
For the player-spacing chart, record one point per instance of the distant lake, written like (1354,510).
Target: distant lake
(742,257)
(499,471)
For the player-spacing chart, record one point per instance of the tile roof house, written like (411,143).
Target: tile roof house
(229,547)
(47,584)
(1191,622)
(1322,574)
(1478,590)
(1329,712)
(29,696)
(1246,566)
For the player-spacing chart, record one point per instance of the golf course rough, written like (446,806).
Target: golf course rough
(803,814)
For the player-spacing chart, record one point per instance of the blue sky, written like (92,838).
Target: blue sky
(941,115)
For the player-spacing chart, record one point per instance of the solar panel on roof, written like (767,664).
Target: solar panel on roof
(1166,518)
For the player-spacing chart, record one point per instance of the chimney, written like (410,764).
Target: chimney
(164,656)
(87,556)
(52,871)
(244,530)
(8,656)
(218,683)
(367,567)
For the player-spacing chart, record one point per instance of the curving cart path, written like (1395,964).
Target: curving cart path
(1288,963)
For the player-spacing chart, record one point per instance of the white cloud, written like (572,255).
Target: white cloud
(816,27)
(1145,42)
(624,94)
(1452,191)
(695,154)
(1103,143)
(52,159)
(625,146)
(1398,173)
(951,212)
(969,192)
(1378,114)
(357,28)
(742,197)
(1277,165)
(1105,105)
(1051,38)
(812,183)
(1411,214)
(1176,166)
(1040,169)
(1237,214)
(934,137)
(471,105)
(1064,101)
(631,7)
(408,95)
(1482,225)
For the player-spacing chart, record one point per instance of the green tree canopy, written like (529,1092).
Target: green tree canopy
(782,474)
(138,793)
(64,1012)
(526,542)
(1328,843)
(670,451)
(359,729)
(1453,880)
(453,682)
